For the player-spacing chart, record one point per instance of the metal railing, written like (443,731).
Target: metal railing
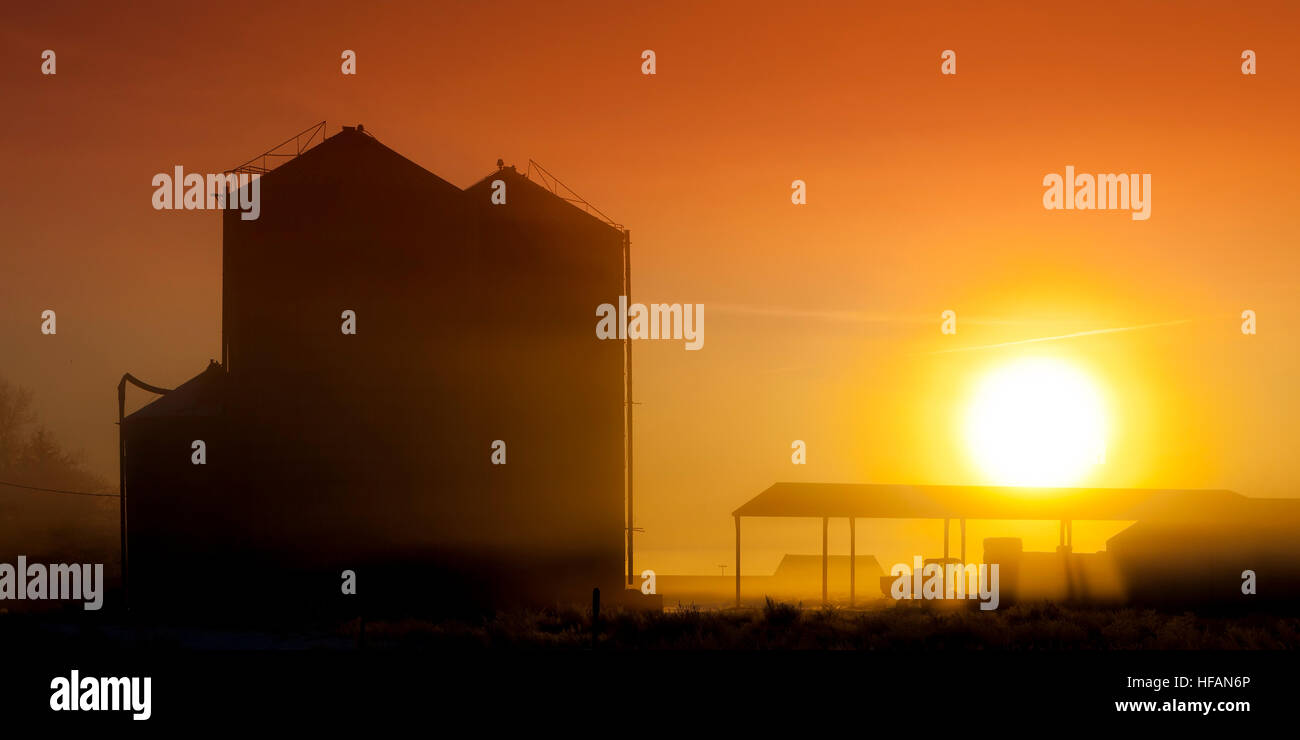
(564,192)
(288,149)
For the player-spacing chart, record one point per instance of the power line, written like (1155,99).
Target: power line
(56,490)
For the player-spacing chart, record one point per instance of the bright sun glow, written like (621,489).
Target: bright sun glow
(1036,422)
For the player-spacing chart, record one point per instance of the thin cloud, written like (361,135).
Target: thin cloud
(1075,335)
(859,317)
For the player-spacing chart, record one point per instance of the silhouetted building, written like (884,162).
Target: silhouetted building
(1181,548)
(372,452)
(1214,563)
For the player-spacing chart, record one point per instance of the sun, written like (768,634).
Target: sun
(1036,422)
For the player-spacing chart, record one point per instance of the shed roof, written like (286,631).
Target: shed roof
(888,501)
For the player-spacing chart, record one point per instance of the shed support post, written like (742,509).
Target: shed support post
(825,524)
(737,561)
(853,560)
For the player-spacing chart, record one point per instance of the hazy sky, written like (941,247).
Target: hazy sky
(924,195)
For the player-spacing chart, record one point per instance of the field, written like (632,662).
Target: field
(778,626)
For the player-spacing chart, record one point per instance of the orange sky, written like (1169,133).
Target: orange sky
(924,195)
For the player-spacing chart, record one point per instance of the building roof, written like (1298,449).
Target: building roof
(796,567)
(201,395)
(553,191)
(361,156)
(346,149)
(886,501)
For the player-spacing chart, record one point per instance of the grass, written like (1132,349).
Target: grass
(780,626)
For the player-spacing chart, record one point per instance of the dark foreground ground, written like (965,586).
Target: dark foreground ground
(681,670)
(786,627)
(777,626)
